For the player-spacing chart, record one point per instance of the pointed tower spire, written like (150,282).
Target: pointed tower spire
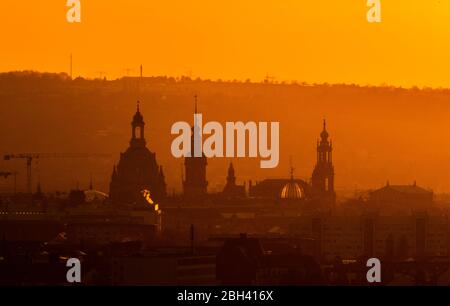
(195,183)
(231,169)
(324,135)
(231,178)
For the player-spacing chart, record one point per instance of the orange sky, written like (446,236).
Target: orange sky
(313,41)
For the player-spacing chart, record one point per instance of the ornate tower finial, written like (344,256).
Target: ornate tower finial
(291,168)
(324,135)
(137,128)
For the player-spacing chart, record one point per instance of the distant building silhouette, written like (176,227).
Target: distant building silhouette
(137,169)
(246,261)
(323,175)
(401,197)
(318,194)
(232,190)
(195,184)
(278,188)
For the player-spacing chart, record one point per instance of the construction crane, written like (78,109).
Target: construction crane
(269,79)
(29,157)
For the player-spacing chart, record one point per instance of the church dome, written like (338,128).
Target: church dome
(291,191)
(137,169)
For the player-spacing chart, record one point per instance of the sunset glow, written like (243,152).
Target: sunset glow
(310,41)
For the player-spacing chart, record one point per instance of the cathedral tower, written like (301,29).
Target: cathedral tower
(323,174)
(195,184)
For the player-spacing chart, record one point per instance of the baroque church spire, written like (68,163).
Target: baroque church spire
(323,174)
(195,183)
(137,169)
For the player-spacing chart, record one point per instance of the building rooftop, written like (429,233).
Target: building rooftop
(409,189)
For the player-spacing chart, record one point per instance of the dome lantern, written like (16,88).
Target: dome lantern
(292,190)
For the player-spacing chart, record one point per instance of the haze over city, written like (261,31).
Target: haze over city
(103,176)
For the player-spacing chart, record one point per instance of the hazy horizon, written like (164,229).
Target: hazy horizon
(379,134)
(271,80)
(315,42)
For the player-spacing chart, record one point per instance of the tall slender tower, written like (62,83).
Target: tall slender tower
(323,174)
(195,184)
(231,178)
